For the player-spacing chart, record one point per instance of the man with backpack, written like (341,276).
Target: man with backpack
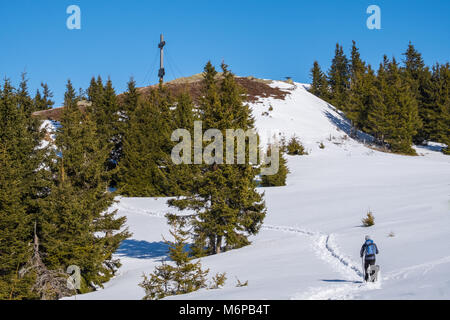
(369,249)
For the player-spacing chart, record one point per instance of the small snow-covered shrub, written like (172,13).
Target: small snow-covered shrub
(218,281)
(180,275)
(295,147)
(369,220)
(241,284)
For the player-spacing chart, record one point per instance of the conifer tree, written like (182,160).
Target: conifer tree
(440,97)
(181,276)
(105,110)
(76,227)
(228,207)
(338,78)
(403,118)
(295,148)
(147,148)
(183,118)
(43,101)
(359,90)
(278,179)
(377,111)
(419,79)
(127,104)
(319,84)
(15,232)
(22,186)
(129,101)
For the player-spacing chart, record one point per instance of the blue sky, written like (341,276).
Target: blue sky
(270,39)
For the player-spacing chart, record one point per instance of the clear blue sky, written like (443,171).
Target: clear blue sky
(270,39)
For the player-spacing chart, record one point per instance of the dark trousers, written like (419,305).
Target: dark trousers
(368,263)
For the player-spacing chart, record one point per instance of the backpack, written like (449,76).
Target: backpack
(370,248)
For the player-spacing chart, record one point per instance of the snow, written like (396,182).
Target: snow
(309,245)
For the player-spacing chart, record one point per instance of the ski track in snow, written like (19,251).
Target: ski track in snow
(142,211)
(325,248)
(424,268)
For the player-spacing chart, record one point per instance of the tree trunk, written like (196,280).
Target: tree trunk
(212,243)
(218,244)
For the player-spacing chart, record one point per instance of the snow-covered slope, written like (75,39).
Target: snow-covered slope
(309,245)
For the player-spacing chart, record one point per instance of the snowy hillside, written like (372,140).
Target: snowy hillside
(309,245)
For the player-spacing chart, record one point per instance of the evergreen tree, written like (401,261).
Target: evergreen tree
(295,147)
(278,179)
(183,118)
(43,101)
(129,102)
(180,277)
(147,148)
(440,97)
(228,207)
(15,232)
(319,84)
(419,79)
(359,91)
(338,78)
(403,115)
(22,186)
(105,111)
(76,227)
(377,111)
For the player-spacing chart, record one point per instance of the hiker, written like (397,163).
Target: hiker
(369,249)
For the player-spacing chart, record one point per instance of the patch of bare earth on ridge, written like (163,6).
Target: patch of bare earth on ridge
(254,90)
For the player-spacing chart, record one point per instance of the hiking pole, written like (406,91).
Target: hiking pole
(364,270)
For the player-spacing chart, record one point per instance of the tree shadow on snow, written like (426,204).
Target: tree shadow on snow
(344,125)
(341,281)
(142,249)
(435,148)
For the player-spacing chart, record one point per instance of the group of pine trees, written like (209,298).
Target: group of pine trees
(399,104)
(54,199)
(226,206)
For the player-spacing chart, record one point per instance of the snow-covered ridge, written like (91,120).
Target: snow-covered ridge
(304,115)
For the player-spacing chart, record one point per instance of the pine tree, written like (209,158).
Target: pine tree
(377,110)
(75,227)
(129,102)
(338,78)
(181,276)
(295,148)
(183,118)
(228,207)
(43,101)
(360,86)
(278,179)
(419,79)
(440,99)
(15,234)
(22,186)
(147,149)
(403,116)
(319,84)
(105,111)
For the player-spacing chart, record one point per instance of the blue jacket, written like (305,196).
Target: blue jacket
(365,247)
